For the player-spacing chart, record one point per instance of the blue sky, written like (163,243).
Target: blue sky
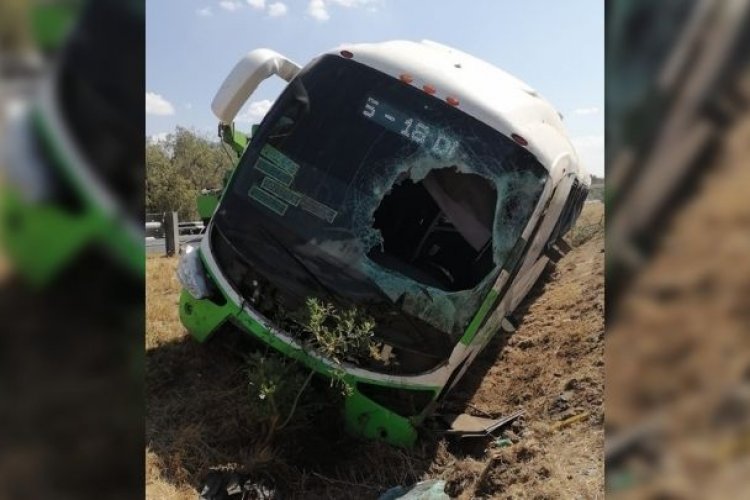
(555,46)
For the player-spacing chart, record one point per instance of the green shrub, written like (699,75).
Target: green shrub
(276,386)
(339,335)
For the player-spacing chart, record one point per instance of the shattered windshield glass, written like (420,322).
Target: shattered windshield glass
(364,190)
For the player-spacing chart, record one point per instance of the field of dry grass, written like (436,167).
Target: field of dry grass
(551,367)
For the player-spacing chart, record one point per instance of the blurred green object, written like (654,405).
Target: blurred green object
(41,236)
(621,480)
(51,22)
(40,239)
(502,443)
(207,203)
(76,180)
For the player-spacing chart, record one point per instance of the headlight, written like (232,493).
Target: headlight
(192,275)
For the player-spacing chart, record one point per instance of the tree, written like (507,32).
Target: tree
(179,167)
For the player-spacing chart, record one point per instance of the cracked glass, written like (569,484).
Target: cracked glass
(360,189)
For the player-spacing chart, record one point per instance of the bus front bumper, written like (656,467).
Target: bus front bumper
(362,414)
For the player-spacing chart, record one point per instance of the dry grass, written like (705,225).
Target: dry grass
(162,297)
(198,417)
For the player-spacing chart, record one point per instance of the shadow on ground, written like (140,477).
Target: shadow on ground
(198,419)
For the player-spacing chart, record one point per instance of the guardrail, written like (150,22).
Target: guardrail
(168,227)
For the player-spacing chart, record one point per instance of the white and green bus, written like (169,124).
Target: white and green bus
(409,180)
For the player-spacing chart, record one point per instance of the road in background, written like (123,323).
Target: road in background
(157,245)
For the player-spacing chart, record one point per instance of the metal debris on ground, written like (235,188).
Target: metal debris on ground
(433,489)
(232,485)
(465,425)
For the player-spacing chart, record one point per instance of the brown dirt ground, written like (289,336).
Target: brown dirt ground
(678,351)
(551,367)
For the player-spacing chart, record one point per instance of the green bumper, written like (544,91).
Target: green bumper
(363,416)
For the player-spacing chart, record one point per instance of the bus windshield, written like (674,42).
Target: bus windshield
(360,188)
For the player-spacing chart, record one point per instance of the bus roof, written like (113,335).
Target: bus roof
(483,91)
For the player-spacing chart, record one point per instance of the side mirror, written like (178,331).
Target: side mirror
(252,69)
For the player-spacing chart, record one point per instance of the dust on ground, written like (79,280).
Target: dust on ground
(551,367)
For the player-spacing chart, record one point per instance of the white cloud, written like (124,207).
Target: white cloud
(590,150)
(593,110)
(204,12)
(277,9)
(157,105)
(188,105)
(257,4)
(230,5)
(356,3)
(254,112)
(158,138)
(317,10)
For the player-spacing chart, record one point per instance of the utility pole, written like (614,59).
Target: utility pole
(171,234)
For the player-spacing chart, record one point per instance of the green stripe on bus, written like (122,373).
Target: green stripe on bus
(471,331)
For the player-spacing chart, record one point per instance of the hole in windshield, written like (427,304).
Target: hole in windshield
(438,231)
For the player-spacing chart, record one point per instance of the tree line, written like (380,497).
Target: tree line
(179,166)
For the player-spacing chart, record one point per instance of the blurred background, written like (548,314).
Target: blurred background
(678,248)
(71,248)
